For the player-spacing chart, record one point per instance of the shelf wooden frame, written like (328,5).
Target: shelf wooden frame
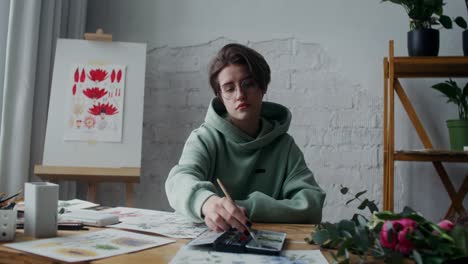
(92,177)
(418,67)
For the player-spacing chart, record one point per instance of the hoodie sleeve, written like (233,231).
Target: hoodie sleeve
(187,186)
(302,199)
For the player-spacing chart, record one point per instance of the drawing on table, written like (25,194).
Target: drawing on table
(88,246)
(159,222)
(191,255)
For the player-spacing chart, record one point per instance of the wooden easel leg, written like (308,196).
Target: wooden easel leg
(130,195)
(385,139)
(92,190)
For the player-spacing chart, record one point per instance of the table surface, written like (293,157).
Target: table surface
(163,254)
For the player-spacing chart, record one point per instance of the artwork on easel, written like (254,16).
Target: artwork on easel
(95,116)
(94,103)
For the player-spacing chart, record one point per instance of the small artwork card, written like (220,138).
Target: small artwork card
(94,103)
(267,242)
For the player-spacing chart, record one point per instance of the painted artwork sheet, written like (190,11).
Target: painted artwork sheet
(67,205)
(94,103)
(74,204)
(93,245)
(157,222)
(192,255)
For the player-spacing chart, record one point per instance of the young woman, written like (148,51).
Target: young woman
(244,143)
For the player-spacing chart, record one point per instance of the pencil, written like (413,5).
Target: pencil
(230,199)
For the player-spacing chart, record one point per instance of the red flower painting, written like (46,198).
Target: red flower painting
(113,76)
(74,89)
(119,76)
(95,93)
(106,109)
(97,75)
(77,75)
(83,75)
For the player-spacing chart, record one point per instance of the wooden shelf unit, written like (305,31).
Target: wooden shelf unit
(418,67)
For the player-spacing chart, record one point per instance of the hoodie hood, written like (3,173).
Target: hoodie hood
(275,120)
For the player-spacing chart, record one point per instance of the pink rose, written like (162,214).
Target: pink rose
(401,230)
(446,225)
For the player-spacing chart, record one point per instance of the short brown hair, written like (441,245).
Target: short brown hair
(239,55)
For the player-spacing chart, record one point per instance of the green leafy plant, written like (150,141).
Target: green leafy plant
(460,21)
(391,237)
(424,14)
(455,95)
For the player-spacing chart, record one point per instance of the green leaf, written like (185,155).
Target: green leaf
(346,225)
(465,90)
(461,22)
(360,220)
(359,194)
(344,190)
(372,206)
(417,257)
(447,90)
(332,230)
(349,201)
(363,205)
(460,235)
(321,236)
(445,21)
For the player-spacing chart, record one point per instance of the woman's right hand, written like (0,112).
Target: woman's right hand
(222,214)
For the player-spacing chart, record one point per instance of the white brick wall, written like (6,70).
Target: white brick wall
(335,121)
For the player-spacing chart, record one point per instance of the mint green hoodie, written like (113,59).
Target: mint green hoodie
(267,175)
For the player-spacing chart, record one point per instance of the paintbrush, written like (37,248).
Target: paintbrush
(230,199)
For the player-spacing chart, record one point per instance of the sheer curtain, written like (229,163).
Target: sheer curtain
(31,33)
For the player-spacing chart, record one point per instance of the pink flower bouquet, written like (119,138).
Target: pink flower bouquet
(392,237)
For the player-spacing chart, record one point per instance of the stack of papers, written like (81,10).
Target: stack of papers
(89,217)
(158,222)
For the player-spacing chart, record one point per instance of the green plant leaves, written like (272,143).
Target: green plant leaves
(344,190)
(445,21)
(460,235)
(460,21)
(455,95)
(361,237)
(321,236)
(424,13)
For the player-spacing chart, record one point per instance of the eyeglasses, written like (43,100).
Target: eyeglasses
(229,91)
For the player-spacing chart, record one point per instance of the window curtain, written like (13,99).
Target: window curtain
(28,55)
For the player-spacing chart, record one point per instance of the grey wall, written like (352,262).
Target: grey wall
(326,58)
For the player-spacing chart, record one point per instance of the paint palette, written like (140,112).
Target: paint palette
(268,242)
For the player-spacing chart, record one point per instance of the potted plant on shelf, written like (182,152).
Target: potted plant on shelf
(458,129)
(462,23)
(423,40)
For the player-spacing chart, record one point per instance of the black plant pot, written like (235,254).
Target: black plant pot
(423,42)
(465,42)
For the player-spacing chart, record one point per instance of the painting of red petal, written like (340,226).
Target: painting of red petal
(113,76)
(107,109)
(77,75)
(83,76)
(74,89)
(95,93)
(119,76)
(97,75)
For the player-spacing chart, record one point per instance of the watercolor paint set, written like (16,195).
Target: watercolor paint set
(267,242)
